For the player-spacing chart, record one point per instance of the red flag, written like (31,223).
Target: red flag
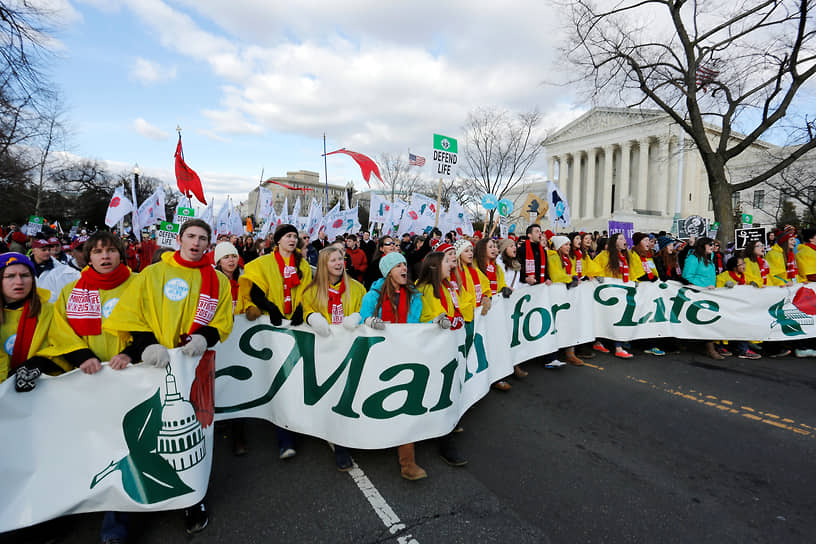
(367,166)
(187,180)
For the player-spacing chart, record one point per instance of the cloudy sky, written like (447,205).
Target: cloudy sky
(256,83)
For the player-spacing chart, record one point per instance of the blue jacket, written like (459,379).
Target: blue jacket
(370,302)
(699,273)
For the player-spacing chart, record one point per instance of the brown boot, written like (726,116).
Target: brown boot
(571,358)
(408,467)
(712,352)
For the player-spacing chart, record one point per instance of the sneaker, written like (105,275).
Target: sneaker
(502,386)
(780,354)
(655,351)
(802,353)
(343,460)
(196,518)
(623,354)
(749,354)
(451,456)
(287,453)
(458,428)
(723,351)
(597,346)
(555,363)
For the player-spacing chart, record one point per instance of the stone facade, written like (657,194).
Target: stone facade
(303,179)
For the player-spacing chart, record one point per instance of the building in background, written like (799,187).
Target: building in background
(303,179)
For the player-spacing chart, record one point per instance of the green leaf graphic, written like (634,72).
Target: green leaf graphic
(142,424)
(789,326)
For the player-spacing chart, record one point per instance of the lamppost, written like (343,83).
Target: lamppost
(136,178)
(349,191)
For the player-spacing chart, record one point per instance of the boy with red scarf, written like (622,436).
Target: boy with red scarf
(181,301)
(533,257)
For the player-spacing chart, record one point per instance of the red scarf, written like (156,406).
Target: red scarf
(646,267)
(790,266)
(336,303)
(739,278)
(22,342)
(208,297)
(477,286)
(624,266)
(579,266)
(565,260)
(290,279)
(811,246)
(387,313)
(490,272)
(457,321)
(529,260)
(718,262)
(84,306)
(764,269)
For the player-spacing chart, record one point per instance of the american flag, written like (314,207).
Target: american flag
(705,76)
(415,160)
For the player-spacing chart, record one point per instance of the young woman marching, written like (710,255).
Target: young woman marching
(333,298)
(757,270)
(782,258)
(667,262)
(509,263)
(699,270)
(444,304)
(613,262)
(392,299)
(733,275)
(644,269)
(564,269)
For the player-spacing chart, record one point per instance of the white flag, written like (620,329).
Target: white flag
(294,217)
(380,209)
(315,217)
(265,198)
(152,210)
(236,226)
(118,208)
(222,221)
(559,207)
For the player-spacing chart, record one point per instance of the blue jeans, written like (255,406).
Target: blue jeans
(115,525)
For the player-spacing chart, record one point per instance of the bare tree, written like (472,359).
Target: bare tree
(499,149)
(399,177)
(796,185)
(714,67)
(53,134)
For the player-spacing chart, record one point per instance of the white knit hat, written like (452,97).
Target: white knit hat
(222,250)
(558,241)
(461,245)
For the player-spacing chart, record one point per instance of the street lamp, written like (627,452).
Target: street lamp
(136,178)
(349,191)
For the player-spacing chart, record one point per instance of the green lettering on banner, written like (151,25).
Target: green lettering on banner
(449,372)
(545,324)
(626,319)
(699,306)
(374,406)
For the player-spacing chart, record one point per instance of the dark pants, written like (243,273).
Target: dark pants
(115,525)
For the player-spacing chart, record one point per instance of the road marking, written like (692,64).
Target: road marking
(590,365)
(728,406)
(381,508)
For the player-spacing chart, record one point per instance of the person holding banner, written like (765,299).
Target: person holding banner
(782,258)
(699,270)
(273,283)
(733,275)
(508,262)
(181,301)
(613,262)
(563,269)
(392,299)
(470,278)
(757,270)
(806,256)
(444,305)
(333,298)
(534,257)
(27,328)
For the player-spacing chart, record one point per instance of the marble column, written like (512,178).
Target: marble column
(661,183)
(589,206)
(575,182)
(624,181)
(607,181)
(551,164)
(641,197)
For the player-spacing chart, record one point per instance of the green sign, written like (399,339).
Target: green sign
(186,212)
(169,227)
(715,226)
(36,219)
(445,143)
(747,218)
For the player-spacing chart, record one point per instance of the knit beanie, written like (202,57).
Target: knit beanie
(7,259)
(504,244)
(663,241)
(222,250)
(638,237)
(558,241)
(282,231)
(787,233)
(461,245)
(389,261)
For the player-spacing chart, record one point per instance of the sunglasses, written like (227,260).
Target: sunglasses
(388,243)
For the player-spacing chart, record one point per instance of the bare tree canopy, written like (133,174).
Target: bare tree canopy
(499,149)
(399,178)
(714,67)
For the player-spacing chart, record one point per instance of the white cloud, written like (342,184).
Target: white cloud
(149,131)
(147,72)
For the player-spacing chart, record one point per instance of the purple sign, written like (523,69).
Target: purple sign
(628,229)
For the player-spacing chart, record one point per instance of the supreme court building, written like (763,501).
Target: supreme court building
(637,165)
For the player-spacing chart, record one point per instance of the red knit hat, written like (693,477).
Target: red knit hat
(787,233)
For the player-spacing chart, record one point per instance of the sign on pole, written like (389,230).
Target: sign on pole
(183,215)
(167,235)
(694,225)
(534,206)
(744,237)
(35,224)
(445,155)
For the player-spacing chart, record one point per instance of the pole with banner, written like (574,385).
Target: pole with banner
(445,157)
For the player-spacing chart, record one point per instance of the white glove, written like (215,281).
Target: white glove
(317,322)
(195,347)
(442,321)
(375,323)
(350,322)
(156,355)
(730,284)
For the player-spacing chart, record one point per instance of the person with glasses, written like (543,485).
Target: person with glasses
(699,270)
(385,245)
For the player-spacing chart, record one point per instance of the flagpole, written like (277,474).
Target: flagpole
(326,174)
(438,202)
(258,200)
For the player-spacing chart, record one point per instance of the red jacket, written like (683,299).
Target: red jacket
(359,262)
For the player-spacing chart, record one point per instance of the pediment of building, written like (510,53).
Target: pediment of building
(599,120)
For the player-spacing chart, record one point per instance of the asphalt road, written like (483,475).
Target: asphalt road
(674,449)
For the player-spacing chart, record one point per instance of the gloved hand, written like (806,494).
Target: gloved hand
(297,316)
(486,304)
(753,283)
(275,315)
(442,321)
(156,355)
(252,313)
(195,347)
(599,279)
(25,378)
(730,284)
(573,283)
(351,322)
(506,292)
(317,322)
(375,323)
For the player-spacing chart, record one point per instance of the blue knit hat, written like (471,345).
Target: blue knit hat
(387,262)
(12,257)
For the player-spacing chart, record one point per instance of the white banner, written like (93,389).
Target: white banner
(362,389)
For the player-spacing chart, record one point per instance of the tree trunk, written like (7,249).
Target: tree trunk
(721,194)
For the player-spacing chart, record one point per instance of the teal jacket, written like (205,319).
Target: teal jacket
(370,302)
(698,273)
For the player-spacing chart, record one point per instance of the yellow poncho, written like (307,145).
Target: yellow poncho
(558,274)
(636,270)
(264,273)
(352,299)
(104,345)
(484,284)
(162,299)
(805,261)
(432,307)
(778,268)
